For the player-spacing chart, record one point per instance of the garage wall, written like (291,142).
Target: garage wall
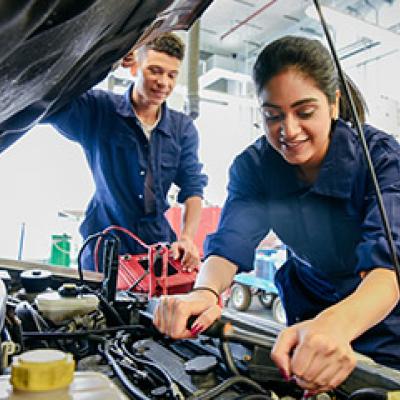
(377,79)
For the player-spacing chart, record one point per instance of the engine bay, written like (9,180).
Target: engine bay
(41,310)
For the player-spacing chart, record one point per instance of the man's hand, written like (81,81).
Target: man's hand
(129,59)
(316,354)
(185,249)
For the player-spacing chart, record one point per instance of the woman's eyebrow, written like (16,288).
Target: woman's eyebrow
(266,104)
(295,104)
(304,101)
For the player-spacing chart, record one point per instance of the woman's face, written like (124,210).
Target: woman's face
(297,118)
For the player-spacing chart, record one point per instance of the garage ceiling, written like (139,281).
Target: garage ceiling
(232,32)
(241,27)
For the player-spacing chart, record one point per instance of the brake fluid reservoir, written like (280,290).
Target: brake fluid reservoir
(58,308)
(49,375)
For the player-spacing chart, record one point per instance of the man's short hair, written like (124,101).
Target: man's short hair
(167,43)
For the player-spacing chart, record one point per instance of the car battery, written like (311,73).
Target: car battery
(155,273)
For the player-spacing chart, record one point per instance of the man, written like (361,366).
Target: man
(136,148)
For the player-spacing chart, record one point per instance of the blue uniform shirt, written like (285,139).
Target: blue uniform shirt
(332,227)
(119,156)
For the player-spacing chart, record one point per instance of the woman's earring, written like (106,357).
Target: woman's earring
(335,111)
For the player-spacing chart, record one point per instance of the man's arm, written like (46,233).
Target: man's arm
(191,217)
(191,181)
(70,121)
(185,246)
(81,118)
(189,178)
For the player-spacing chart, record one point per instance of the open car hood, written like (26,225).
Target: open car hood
(55,50)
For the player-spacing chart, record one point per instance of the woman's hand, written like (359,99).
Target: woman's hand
(172,313)
(315,353)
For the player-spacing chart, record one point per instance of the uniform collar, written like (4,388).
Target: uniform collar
(125,109)
(336,176)
(337,173)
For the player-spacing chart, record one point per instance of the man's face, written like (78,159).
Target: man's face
(156,76)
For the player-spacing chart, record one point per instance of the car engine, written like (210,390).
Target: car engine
(116,337)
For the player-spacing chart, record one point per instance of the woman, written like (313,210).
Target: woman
(308,181)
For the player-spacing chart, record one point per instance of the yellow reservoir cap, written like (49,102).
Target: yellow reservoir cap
(42,370)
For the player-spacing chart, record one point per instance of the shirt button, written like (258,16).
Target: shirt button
(142,172)
(140,196)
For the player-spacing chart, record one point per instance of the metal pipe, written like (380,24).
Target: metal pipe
(368,3)
(193,99)
(235,334)
(21,241)
(250,17)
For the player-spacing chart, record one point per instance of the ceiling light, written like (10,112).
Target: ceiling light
(342,22)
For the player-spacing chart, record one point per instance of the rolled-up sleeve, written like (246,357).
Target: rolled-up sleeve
(373,251)
(190,178)
(244,218)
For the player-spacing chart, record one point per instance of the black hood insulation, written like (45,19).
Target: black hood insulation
(54,50)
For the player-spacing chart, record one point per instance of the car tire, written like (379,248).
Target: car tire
(266,299)
(278,312)
(240,297)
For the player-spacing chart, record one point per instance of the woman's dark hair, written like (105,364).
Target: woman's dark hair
(311,58)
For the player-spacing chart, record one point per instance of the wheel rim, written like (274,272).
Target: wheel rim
(238,296)
(267,297)
(280,313)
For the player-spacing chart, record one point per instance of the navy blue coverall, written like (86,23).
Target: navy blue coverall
(332,227)
(119,156)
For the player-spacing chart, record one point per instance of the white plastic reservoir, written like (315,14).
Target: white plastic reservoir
(47,374)
(85,386)
(59,308)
